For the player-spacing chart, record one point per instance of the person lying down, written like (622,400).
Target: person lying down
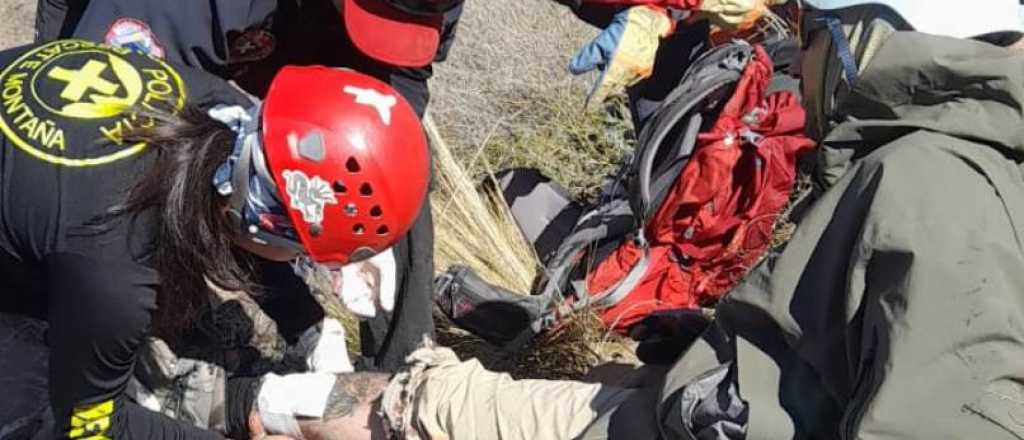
(437,397)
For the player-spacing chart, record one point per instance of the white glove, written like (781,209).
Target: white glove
(368,286)
(325,348)
(364,287)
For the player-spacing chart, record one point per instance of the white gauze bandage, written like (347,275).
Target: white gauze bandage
(283,398)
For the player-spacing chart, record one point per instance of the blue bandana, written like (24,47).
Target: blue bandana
(262,207)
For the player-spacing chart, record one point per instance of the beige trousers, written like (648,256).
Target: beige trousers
(441,398)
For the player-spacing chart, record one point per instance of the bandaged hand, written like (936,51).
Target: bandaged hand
(624,52)
(317,406)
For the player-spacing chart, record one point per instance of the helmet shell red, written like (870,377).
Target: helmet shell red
(349,157)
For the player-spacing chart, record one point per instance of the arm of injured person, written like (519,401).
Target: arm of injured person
(435,397)
(319,406)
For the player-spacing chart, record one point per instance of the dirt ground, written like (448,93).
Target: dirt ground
(18,16)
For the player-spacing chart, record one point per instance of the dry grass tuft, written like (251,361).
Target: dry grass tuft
(554,135)
(477,230)
(567,354)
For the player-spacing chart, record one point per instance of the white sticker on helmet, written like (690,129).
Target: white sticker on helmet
(383,103)
(308,195)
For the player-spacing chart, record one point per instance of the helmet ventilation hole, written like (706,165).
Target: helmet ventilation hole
(339,187)
(352,165)
(359,229)
(383,230)
(365,190)
(376,212)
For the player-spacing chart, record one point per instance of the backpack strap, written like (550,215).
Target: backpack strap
(620,290)
(714,73)
(592,228)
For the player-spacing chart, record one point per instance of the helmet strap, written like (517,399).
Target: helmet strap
(240,177)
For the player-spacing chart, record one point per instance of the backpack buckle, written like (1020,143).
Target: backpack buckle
(751,137)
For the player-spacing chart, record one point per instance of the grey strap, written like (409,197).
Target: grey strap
(240,179)
(618,292)
(705,77)
(591,228)
(647,160)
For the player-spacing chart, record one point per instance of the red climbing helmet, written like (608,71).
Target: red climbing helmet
(349,158)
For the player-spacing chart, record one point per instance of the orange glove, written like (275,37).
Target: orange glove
(624,52)
(734,15)
(725,15)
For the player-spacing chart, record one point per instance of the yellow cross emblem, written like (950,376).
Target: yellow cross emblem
(82,80)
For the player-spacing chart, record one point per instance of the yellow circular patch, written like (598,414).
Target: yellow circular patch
(72,102)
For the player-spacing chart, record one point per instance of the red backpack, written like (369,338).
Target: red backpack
(691,212)
(716,220)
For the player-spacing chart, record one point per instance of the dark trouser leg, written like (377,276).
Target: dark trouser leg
(99,314)
(389,339)
(22,368)
(22,348)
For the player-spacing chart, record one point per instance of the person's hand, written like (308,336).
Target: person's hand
(624,52)
(312,430)
(368,286)
(664,335)
(734,15)
(257,432)
(291,404)
(325,349)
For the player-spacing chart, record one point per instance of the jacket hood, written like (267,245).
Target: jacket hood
(964,88)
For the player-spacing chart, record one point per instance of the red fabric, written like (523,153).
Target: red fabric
(721,211)
(387,34)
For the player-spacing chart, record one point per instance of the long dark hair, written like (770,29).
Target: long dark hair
(193,239)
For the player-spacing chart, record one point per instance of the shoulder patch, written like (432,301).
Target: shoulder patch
(134,34)
(251,45)
(59,99)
